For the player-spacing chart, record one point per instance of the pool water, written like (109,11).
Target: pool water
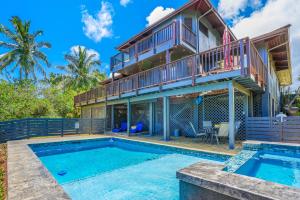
(83,164)
(277,168)
(120,171)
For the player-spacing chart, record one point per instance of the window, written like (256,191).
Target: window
(203,29)
(188,21)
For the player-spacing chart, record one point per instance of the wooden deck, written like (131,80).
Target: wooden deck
(247,68)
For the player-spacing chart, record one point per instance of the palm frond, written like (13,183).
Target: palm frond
(42,57)
(43,45)
(8,45)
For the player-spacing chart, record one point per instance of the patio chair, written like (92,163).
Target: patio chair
(138,128)
(221,133)
(201,134)
(207,125)
(121,129)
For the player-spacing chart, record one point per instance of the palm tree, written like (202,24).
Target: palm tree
(24,51)
(81,72)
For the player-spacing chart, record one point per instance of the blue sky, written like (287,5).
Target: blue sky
(101,25)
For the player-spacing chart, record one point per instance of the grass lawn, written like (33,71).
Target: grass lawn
(2,171)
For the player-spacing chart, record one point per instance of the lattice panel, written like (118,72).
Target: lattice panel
(140,113)
(183,111)
(257,105)
(216,110)
(158,127)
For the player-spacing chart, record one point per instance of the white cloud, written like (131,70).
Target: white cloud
(231,8)
(273,15)
(124,2)
(75,49)
(256,3)
(99,26)
(158,13)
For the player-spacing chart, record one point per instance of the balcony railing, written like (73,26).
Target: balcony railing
(188,36)
(165,34)
(243,56)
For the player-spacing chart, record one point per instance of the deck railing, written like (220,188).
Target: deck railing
(243,56)
(157,38)
(188,36)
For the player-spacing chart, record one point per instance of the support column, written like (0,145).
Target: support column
(112,117)
(166,118)
(246,106)
(151,118)
(105,116)
(251,105)
(128,117)
(231,116)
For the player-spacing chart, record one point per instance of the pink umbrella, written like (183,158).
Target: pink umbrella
(227,47)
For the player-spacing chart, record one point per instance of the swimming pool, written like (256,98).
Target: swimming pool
(274,167)
(272,162)
(118,169)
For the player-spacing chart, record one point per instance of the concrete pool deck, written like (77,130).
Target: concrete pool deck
(29,179)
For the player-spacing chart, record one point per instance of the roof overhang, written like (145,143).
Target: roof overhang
(278,44)
(203,6)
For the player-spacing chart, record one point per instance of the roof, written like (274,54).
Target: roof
(202,5)
(278,44)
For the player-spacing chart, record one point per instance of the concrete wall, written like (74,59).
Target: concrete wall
(189,191)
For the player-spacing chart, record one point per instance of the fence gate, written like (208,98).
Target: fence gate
(273,129)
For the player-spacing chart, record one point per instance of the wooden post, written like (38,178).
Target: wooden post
(166,118)
(151,118)
(231,129)
(246,105)
(248,56)
(112,117)
(105,116)
(242,57)
(128,117)
(193,70)
(28,128)
(46,127)
(62,127)
(251,105)
(91,129)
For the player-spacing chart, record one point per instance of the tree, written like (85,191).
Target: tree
(24,51)
(19,100)
(81,72)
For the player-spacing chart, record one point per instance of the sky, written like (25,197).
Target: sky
(101,25)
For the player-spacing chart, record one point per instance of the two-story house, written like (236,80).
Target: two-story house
(187,68)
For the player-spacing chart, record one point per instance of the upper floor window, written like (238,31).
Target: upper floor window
(188,21)
(203,29)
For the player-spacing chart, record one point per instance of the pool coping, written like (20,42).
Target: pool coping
(29,179)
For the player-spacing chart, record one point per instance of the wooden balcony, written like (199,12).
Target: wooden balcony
(246,67)
(158,42)
(188,36)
